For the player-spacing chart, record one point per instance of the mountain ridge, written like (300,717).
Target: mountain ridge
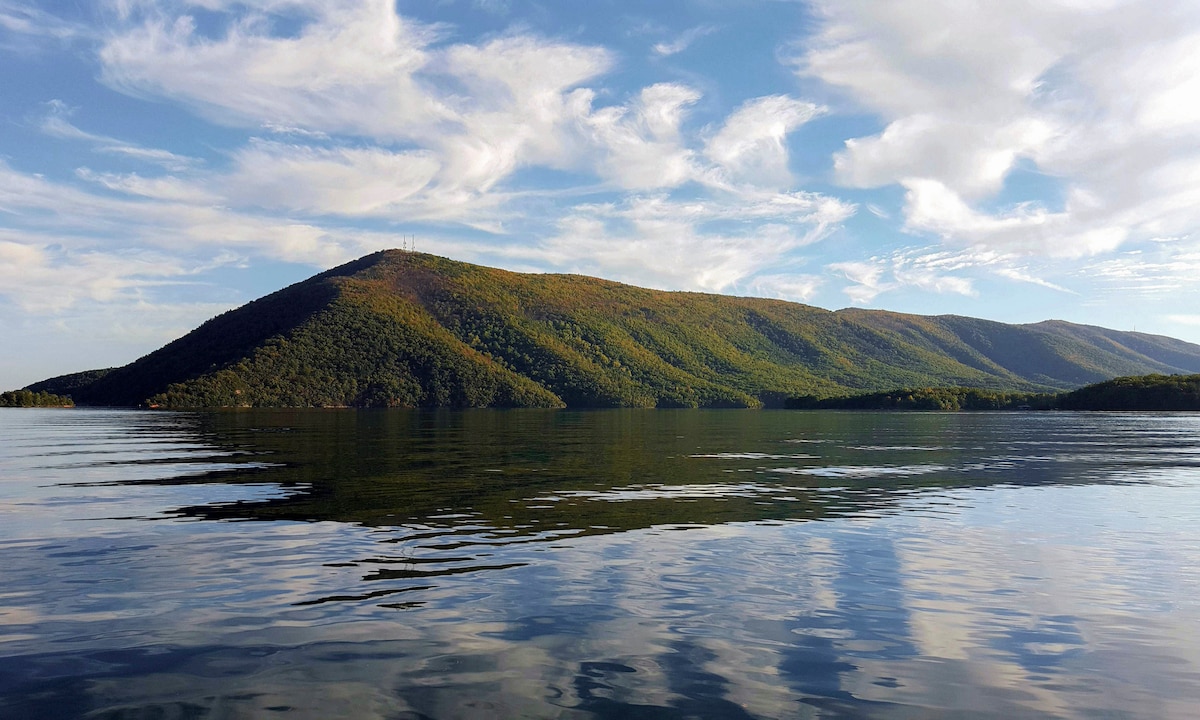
(399,328)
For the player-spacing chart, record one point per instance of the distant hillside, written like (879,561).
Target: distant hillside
(405,329)
(1142,392)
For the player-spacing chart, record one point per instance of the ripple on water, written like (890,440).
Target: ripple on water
(415,565)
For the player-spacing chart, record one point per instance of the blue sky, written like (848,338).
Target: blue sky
(162,161)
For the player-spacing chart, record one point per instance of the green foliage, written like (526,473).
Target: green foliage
(401,329)
(361,351)
(1147,392)
(928,398)
(30,398)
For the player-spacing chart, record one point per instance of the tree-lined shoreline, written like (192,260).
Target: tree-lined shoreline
(1134,393)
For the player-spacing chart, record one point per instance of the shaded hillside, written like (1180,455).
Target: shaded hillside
(1142,392)
(950,399)
(1148,392)
(407,329)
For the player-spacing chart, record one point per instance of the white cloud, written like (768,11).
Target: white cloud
(158,188)
(709,245)
(56,124)
(350,69)
(1166,271)
(866,280)
(341,181)
(1021,274)
(173,218)
(39,280)
(933,207)
(521,108)
(921,269)
(642,144)
(444,126)
(751,146)
(683,41)
(1099,96)
(20,23)
(797,287)
(971,157)
(360,69)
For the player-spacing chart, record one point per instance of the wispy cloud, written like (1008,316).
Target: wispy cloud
(700,244)
(21,24)
(56,124)
(683,41)
(1024,275)
(936,270)
(1160,272)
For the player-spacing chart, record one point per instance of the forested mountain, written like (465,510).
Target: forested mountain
(400,328)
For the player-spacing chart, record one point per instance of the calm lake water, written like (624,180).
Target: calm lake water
(624,564)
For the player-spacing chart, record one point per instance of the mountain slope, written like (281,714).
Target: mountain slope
(405,329)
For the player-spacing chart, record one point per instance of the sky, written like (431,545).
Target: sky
(163,161)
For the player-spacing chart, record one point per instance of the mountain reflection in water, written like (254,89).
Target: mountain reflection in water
(618,564)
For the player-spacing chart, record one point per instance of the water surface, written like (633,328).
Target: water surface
(625,564)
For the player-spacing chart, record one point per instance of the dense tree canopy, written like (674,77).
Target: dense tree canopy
(1144,392)
(28,398)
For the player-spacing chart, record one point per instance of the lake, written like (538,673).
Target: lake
(608,564)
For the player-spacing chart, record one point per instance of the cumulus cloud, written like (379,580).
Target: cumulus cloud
(1099,96)
(641,142)
(1028,228)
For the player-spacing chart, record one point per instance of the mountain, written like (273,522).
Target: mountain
(399,328)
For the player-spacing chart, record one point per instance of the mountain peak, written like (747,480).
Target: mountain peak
(401,328)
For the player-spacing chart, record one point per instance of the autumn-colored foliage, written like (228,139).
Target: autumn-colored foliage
(413,330)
